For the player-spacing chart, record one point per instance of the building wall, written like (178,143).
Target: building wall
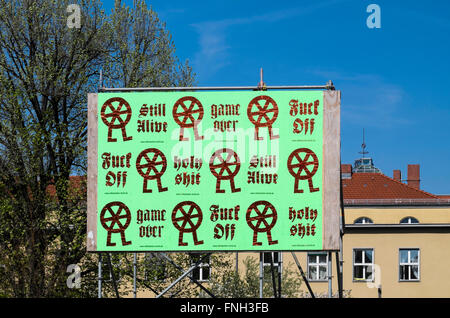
(393,215)
(434,254)
(434,260)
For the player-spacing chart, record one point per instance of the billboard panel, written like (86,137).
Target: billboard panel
(213,171)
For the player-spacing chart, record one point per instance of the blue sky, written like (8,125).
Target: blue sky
(395,81)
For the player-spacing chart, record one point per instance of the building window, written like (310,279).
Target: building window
(363,220)
(409,265)
(409,220)
(202,272)
(363,264)
(317,266)
(277,262)
(154,267)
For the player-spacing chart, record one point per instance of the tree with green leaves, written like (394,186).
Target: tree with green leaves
(46,71)
(232,284)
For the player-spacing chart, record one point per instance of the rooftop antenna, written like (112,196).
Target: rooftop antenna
(363,147)
(261,84)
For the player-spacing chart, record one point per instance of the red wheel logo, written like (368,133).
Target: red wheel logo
(188,116)
(261,218)
(111,218)
(115,117)
(151,164)
(302,165)
(262,111)
(187,222)
(224,164)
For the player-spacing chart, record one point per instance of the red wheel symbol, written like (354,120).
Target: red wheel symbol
(151,164)
(187,222)
(112,112)
(188,116)
(111,219)
(303,164)
(261,221)
(224,164)
(263,115)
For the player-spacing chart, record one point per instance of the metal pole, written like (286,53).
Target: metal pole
(330,291)
(273,276)
(134,274)
(341,239)
(328,86)
(303,275)
(113,276)
(99,275)
(280,260)
(261,275)
(338,273)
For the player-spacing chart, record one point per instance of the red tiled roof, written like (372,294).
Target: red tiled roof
(378,186)
(75,183)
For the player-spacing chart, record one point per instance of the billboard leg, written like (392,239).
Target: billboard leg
(303,275)
(340,263)
(261,275)
(339,274)
(99,275)
(134,274)
(279,274)
(330,290)
(113,276)
(273,276)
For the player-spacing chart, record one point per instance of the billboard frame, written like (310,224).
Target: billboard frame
(330,162)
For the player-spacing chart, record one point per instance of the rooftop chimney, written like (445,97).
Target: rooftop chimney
(346,170)
(414,176)
(398,175)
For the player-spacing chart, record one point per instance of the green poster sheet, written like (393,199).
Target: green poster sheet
(210,171)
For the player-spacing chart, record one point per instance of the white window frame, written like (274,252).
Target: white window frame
(409,264)
(317,265)
(204,266)
(364,279)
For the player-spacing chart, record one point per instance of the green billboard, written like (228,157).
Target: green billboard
(207,171)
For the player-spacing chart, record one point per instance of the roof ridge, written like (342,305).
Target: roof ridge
(407,185)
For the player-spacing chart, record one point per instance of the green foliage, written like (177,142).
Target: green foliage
(230,284)
(46,71)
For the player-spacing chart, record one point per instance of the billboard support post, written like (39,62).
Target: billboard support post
(280,264)
(99,275)
(113,276)
(330,289)
(261,274)
(273,275)
(305,279)
(340,264)
(134,274)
